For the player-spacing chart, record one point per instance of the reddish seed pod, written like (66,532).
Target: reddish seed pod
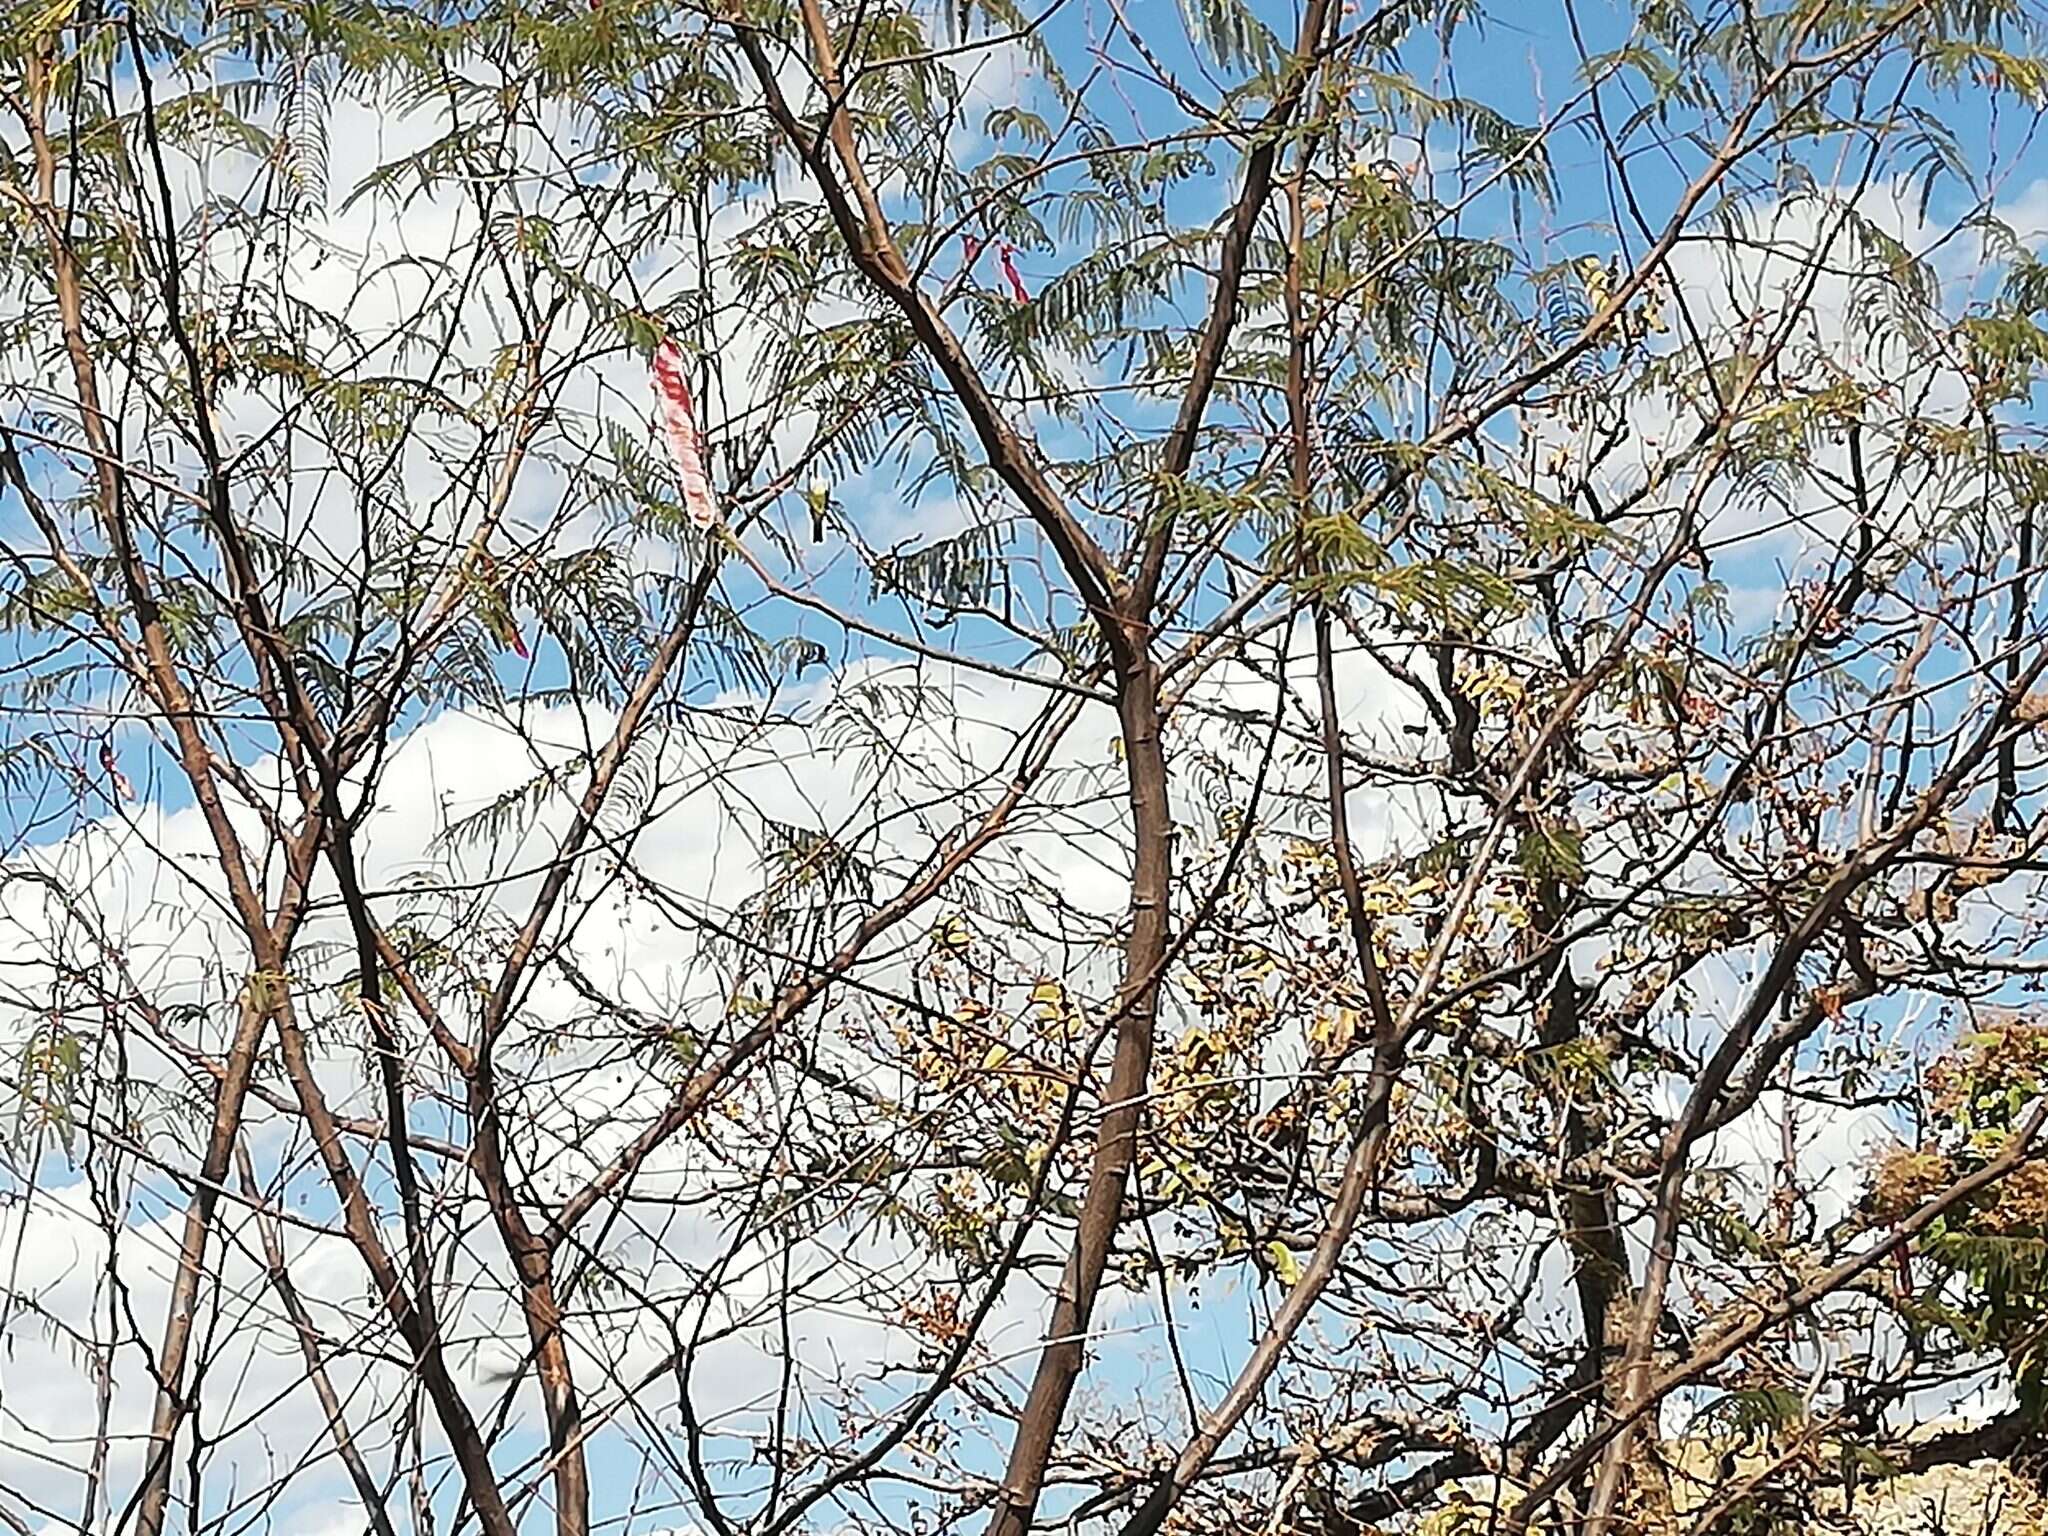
(685,439)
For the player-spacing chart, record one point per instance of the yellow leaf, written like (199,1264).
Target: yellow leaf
(1284,1262)
(1333,1033)
(1593,273)
(1049,1001)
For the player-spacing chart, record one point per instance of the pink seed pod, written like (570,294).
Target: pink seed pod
(1007,256)
(685,439)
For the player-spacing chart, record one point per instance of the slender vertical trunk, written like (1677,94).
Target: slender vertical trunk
(533,1259)
(1601,1275)
(559,1399)
(1145,951)
(185,1285)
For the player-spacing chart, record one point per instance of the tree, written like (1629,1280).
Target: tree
(1242,808)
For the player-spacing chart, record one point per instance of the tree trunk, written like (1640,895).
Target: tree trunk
(1145,951)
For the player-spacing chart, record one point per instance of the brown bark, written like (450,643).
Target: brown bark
(1145,950)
